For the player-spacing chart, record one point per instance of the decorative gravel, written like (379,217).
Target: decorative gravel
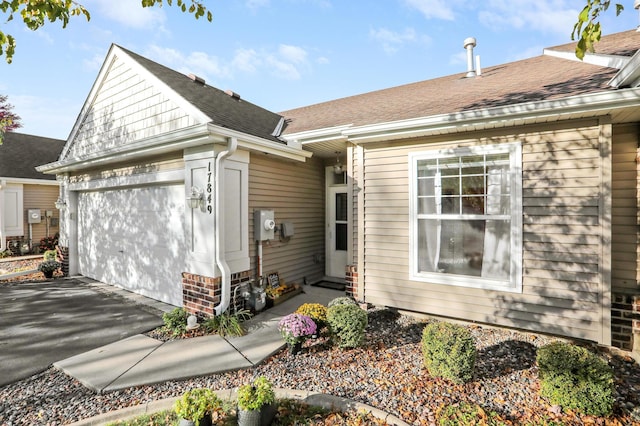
(386,373)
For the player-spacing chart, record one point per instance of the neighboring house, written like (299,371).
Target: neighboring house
(27,197)
(505,197)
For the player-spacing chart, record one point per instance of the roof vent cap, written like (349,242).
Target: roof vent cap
(469,44)
(196,79)
(233,94)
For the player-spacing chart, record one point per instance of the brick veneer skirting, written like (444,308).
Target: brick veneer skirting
(351,278)
(63,258)
(200,294)
(625,321)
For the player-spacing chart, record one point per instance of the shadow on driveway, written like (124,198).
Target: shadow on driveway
(45,322)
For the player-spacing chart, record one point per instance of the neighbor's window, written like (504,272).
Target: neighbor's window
(466,217)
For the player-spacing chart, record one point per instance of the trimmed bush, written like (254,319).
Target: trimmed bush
(449,351)
(347,324)
(343,300)
(574,378)
(175,321)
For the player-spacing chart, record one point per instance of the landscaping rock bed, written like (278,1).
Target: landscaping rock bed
(386,373)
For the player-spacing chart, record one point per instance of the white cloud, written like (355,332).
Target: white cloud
(438,9)
(198,63)
(246,60)
(131,14)
(293,54)
(551,16)
(287,62)
(392,41)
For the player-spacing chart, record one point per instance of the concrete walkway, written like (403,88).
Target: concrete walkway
(141,360)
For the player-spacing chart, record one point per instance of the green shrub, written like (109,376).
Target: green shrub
(228,324)
(467,414)
(574,378)
(175,321)
(343,300)
(196,403)
(347,324)
(50,255)
(449,351)
(256,395)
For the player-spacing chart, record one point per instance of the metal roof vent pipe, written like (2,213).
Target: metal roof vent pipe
(469,44)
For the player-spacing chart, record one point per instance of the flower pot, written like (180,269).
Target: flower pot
(48,274)
(294,348)
(262,417)
(205,421)
(249,417)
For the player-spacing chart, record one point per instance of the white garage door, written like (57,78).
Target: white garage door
(134,238)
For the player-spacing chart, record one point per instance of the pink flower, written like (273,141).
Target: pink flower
(296,327)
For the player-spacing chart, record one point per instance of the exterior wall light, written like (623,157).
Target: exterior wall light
(195,199)
(60,204)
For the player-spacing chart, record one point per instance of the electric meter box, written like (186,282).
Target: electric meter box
(33,216)
(263,225)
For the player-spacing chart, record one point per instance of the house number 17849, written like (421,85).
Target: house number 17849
(209,190)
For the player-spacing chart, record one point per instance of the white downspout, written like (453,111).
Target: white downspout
(218,220)
(3,237)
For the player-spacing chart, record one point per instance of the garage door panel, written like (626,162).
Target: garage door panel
(134,238)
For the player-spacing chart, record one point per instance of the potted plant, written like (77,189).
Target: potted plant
(256,403)
(295,328)
(195,407)
(48,267)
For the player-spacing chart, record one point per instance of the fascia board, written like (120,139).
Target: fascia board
(26,181)
(319,135)
(255,143)
(478,119)
(603,60)
(172,141)
(629,75)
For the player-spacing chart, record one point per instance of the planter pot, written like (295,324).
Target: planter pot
(262,417)
(205,421)
(294,349)
(48,274)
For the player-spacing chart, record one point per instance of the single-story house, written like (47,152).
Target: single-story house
(27,197)
(506,195)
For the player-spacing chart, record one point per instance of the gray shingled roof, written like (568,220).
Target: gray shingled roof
(20,154)
(223,109)
(535,79)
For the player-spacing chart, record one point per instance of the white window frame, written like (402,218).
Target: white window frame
(514,284)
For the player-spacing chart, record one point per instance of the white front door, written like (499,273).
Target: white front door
(337,231)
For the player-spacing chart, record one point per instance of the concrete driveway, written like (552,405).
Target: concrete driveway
(45,322)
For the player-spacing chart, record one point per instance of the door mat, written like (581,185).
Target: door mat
(331,285)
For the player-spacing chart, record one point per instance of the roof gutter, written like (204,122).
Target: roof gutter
(479,119)
(174,141)
(219,225)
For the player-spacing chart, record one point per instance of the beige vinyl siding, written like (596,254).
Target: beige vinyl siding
(126,108)
(42,197)
(562,286)
(295,192)
(624,237)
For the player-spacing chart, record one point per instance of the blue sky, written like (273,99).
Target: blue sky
(280,54)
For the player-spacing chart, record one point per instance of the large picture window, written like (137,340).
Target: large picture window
(466,217)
